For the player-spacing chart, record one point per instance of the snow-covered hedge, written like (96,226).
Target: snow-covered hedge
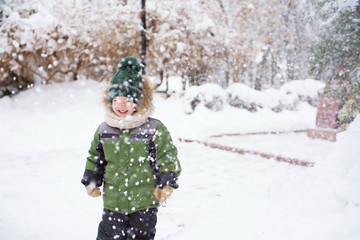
(211,96)
(308,90)
(242,96)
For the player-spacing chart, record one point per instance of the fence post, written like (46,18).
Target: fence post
(143,36)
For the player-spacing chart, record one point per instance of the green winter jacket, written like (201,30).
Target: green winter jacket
(121,160)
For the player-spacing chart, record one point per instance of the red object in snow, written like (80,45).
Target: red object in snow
(327,123)
(327,112)
(319,133)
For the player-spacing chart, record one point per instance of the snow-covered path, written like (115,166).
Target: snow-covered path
(294,145)
(222,195)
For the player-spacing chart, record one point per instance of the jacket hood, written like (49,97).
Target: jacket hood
(143,106)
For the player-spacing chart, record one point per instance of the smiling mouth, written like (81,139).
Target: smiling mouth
(122,112)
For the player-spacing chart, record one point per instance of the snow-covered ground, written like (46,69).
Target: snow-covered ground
(290,145)
(222,195)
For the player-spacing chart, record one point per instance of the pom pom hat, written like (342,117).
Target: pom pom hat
(127,81)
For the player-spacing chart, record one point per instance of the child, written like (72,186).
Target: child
(133,156)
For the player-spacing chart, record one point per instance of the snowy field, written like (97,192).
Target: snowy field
(222,195)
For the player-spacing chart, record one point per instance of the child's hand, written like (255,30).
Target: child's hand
(93,191)
(162,194)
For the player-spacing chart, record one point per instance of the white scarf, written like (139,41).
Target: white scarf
(132,121)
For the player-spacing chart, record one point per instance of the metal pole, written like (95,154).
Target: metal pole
(143,35)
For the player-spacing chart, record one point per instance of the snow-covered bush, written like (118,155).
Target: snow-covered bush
(212,96)
(308,90)
(241,96)
(278,101)
(62,40)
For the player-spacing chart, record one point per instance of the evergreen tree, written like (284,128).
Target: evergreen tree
(338,54)
(338,50)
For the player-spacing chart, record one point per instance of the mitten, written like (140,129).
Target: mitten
(93,191)
(162,194)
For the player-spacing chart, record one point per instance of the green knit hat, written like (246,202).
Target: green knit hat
(127,80)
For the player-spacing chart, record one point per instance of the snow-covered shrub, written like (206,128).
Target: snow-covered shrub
(277,100)
(308,90)
(211,95)
(64,40)
(241,96)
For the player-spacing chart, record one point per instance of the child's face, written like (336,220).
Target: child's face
(123,106)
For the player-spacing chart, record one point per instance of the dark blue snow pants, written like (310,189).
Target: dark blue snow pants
(135,226)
